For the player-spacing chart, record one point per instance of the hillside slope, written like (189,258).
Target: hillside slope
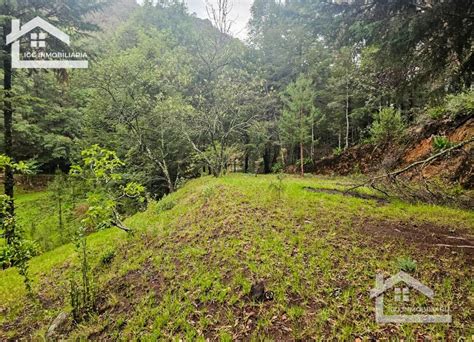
(188,270)
(418,145)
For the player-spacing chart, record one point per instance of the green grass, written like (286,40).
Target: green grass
(186,271)
(36,215)
(38,218)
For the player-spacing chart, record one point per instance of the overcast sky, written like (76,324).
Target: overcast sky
(240,13)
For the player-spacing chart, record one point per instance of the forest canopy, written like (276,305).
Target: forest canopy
(175,95)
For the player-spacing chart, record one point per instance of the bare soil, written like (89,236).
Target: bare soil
(426,236)
(457,167)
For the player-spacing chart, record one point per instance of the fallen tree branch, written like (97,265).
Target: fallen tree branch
(452,246)
(433,157)
(394,174)
(118,223)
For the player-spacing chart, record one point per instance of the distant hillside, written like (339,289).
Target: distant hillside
(113,15)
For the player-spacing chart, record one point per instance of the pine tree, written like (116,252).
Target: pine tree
(296,121)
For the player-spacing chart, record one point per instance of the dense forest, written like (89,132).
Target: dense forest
(364,106)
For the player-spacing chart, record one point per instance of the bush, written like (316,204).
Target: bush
(406,264)
(454,106)
(165,204)
(337,151)
(441,143)
(277,167)
(13,255)
(107,257)
(306,161)
(461,104)
(387,126)
(437,112)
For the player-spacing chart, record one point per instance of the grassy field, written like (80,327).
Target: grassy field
(187,270)
(37,217)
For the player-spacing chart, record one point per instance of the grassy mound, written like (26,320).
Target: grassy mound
(188,269)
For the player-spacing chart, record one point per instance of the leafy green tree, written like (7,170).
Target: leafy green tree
(101,173)
(425,40)
(72,15)
(218,125)
(48,119)
(281,39)
(18,250)
(137,99)
(341,86)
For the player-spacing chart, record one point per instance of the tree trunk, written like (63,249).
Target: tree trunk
(347,116)
(302,159)
(312,141)
(246,162)
(246,153)
(301,144)
(8,124)
(169,182)
(162,165)
(267,160)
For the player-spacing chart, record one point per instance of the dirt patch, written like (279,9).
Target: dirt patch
(457,166)
(127,291)
(24,330)
(369,159)
(426,236)
(129,288)
(462,133)
(356,194)
(422,149)
(362,158)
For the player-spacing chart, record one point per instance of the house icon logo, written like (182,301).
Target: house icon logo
(41,59)
(402,294)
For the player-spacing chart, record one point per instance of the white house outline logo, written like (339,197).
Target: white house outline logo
(39,41)
(382,286)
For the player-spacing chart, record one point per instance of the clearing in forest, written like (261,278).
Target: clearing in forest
(191,267)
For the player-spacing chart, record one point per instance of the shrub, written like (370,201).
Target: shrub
(406,264)
(165,204)
(6,257)
(387,126)
(461,104)
(441,143)
(278,186)
(208,192)
(306,161)
(277,167)
(107,257)
(337,151)
(12,255)
(437,112)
